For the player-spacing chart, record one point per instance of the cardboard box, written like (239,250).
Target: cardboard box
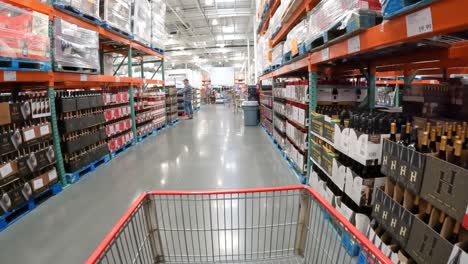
(14,112)
(445,186)
(18,194)
(411,169)
(65,105)
(7,170)
(390,159)
(10,141)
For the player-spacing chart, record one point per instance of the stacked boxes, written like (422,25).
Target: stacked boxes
(76,48)
(158,20)
(117,14)
(117,115)
(24,34)
(141,19)
(88,7)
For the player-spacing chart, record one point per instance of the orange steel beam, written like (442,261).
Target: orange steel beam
(446,63)
(300,64)
(394,31)
(31,5)
(26,76)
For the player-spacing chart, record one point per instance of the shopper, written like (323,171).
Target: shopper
(188,98)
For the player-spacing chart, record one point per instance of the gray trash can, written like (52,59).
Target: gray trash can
(250,113)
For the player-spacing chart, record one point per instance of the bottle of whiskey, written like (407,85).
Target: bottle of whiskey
(414,138)
(442,148)
(407,134)
(393,132)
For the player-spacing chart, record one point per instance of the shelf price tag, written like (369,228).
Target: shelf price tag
(354,44)
(9,76)
(117,79)
(325,54)
(419,22)
(83,77)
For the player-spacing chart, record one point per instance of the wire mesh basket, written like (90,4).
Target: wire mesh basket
(274,225)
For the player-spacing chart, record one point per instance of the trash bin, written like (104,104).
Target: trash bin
(250,113)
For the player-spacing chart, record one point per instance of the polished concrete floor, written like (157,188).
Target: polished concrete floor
(212,151)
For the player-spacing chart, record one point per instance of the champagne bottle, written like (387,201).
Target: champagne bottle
(393,132)
(424,142)
(457,153)
(442,148)
(432,140)
(402,135)
(414,138)
(428,127)
(438,133)
(407,134)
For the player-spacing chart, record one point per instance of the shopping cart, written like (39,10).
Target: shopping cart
(273,225)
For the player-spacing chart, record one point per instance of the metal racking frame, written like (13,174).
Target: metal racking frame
(380,52)
(110,42)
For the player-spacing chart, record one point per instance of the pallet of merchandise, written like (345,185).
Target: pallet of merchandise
(16,214)
(72,9)
(121,150)
(78,174)
(394,8)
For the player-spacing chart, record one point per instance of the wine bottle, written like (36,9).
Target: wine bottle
(428,127)
(402,135)
(424,143)
(407,134)
(457,153)
(442,148)
(465,144)
(432,141)
(393,132)
(414,138)
(438,133)
(449,136)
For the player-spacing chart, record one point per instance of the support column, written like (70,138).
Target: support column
(142,68)
(131,95)
(56,138)
(101,61)
(313,102)
(163,73)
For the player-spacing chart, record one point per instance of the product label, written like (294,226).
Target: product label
(29,134)
(325,54)
(354,44)
(45,130)
(419,22)
(9,76)
(6,170)
(117,79)
(52,175)
(38,183)
(83,77)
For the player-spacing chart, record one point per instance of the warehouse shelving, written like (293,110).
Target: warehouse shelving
(53,82)
(427,40)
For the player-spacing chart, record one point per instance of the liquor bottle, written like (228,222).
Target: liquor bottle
(438,132)
(424,143)
(407,134)
(393,132)
(449,135)
(428,127)
(414,138)
(442,148)
(432,141)
(465,144)
(402,135)
(456,230)
(457,153)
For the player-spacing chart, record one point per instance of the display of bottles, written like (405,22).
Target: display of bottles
(414,138)
(424,143)
(407,134)
(432,141)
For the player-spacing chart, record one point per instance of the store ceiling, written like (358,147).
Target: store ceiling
(209,32)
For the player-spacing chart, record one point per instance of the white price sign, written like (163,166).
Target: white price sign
(354,44)
(117,79)
(325,54)
(83,77)
(9,76)
(419,22)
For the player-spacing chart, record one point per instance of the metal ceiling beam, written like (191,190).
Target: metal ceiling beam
(211,14)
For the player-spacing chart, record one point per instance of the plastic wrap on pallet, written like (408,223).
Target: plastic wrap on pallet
(89,7)
(275,20)
(141,18)
(277,54)
(328,13)
(23,34)
(117,13)
(296,36)
(75,46)
(158,28)
(263,62)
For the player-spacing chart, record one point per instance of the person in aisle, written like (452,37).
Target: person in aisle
(188,97)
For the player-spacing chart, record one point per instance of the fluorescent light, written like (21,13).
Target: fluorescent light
(228,29)
(221,45)
(220,63)
(179,48)
(214,22)
(208,2)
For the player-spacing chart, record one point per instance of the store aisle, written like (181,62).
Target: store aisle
(212,151)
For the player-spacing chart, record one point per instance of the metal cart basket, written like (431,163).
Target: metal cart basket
(272,225)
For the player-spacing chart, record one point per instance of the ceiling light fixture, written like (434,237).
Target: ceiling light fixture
(208,2)
(221,45)
(228,29)
(214,22)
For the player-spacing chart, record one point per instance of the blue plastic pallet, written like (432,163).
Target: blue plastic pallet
(116,30)
(393,8)
(122,150)
(75,176)
(141,138)
(357,22)
(17,64)
(173,123)
(157,49)
(16,214)
(78,13)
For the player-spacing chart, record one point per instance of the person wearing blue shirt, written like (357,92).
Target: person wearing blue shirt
(187,91)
